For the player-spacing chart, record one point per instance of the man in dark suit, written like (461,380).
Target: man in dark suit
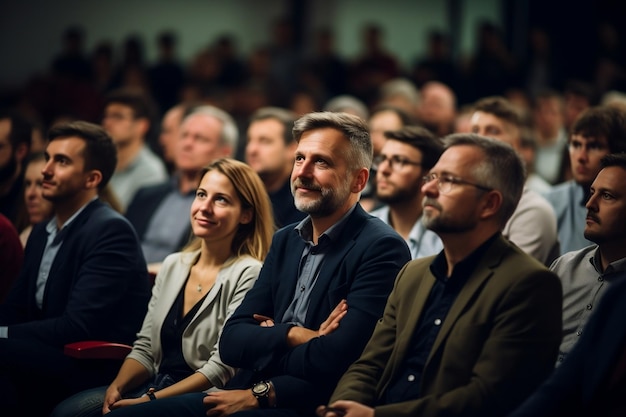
(473,330)
(84,277)
(320,292)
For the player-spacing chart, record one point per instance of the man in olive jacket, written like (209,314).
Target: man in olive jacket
(473,330)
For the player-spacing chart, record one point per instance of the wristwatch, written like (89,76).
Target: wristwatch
(261,391)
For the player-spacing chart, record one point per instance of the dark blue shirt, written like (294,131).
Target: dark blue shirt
(406,385)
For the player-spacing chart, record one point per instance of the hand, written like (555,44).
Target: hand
(332,322)
(224,403)
(264,321)
(129,401)
(297,336)
(111,396)
(345,408)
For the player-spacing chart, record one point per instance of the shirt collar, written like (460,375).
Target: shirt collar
(305,228)
(51,227)
(612,268)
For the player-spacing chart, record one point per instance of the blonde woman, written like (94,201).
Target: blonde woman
(194,293)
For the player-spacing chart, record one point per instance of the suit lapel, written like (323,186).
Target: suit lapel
(483,271)
(288,258)
(332,261)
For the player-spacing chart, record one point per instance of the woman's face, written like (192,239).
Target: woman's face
(38,208)
(216,212)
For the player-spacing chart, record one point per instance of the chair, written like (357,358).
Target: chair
(98,349)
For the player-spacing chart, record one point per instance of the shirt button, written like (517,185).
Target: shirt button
(600,279)
(437,322)
(589,307)
(578,333)
(411,378)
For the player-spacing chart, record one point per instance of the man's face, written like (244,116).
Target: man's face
(199,142)
(321,181)
(606,207)
(487,124)
(548,115)
(458,210)
(120,123)
(381,122)
(266,151)
(64,174)
(585,154)
(170,130)
(402,183)
(437,106)
(8,160)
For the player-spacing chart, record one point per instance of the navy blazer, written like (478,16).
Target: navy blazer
(361,268)
(97,288)
(580,380)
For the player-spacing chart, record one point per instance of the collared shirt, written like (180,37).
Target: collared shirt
(406,385)
(422,242)
(583,283)
(568,201)
(311,262)
(55,240)
(167,226)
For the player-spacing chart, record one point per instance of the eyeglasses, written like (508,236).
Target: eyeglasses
(396,163)
(445,183)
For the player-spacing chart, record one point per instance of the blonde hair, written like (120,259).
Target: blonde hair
(253,238)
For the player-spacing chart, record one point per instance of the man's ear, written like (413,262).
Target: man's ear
(143,124)
(21,151)
(93,179)
(492,204)
(360,180)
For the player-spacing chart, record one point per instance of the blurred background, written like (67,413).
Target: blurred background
(60,57)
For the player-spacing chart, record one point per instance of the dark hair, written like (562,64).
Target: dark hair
(404,116)
(501,108)
(608,122)
(614,160)
(142,104)
(580,88)
(21,129)
(284,116)
(100,152)
(421,139)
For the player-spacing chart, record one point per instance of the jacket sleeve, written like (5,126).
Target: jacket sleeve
(306,374)
(514,353)
(108,290)
(360,381)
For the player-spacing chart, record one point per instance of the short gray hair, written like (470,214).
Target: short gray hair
(353,127)
(230,133)
(502,169)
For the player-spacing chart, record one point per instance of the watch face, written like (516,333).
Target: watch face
(260,388)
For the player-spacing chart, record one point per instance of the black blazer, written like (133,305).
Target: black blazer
(361,267)
(97,288)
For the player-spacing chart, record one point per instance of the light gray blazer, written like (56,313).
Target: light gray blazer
(200,338)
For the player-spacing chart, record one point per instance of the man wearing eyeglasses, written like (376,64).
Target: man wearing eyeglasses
(405,157)
(473,330)
(597,132)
